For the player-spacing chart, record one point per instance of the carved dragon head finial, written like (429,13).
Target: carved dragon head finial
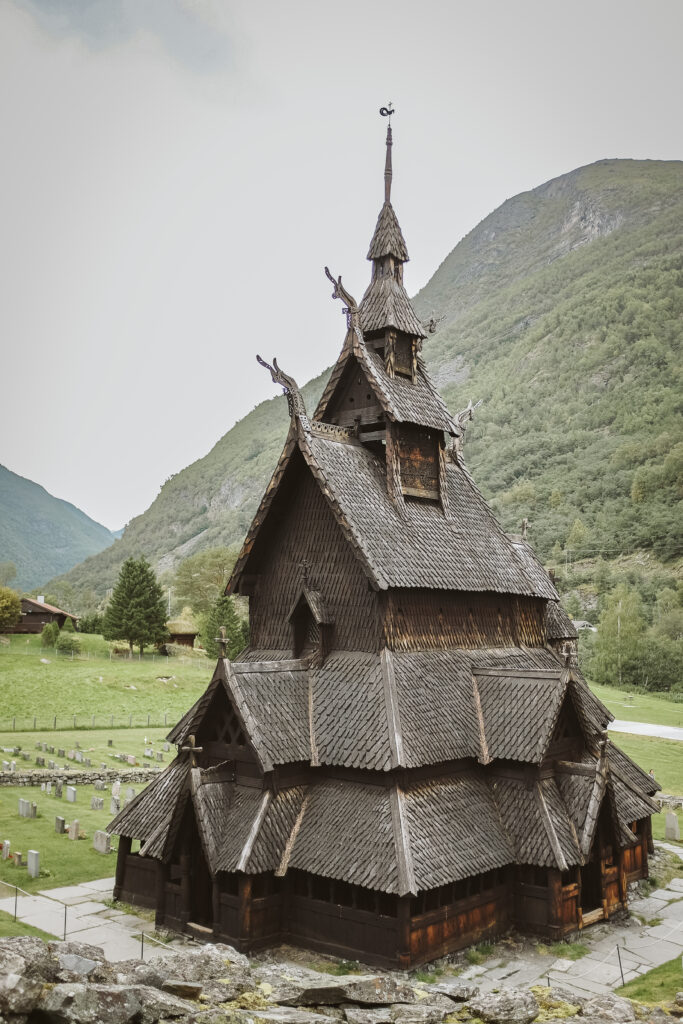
(350,305)
(290,387)
(461,420)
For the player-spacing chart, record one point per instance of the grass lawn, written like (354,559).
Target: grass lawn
(9,927)
(639,707)
(666,757)
(62,861)
(658,985)
(38,682)
(94,744)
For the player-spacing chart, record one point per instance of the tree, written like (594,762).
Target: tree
(223,613)
(200,579)
(10,609)
(136,611)
(49,635)
(617,653)
(68,626)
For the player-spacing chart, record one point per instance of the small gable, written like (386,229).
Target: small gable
(221,734)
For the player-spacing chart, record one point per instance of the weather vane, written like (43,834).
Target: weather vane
(386,111)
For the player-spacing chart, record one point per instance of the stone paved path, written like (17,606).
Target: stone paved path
(88,919)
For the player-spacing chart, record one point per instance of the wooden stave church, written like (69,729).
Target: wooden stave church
(406,758)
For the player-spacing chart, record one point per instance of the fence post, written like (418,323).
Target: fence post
(130,721)
(165,714)
(621,969)
(112,721)
(14,724)
(148,718)
(74,721)
(93,721)
(16,894)
(34,723)
(54,724)
(142,945)
(65,922)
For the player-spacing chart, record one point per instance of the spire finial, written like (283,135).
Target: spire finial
(387,112)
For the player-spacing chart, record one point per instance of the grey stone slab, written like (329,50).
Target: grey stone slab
(100,884)
(75,925)
(673,911)
(67,894)
(676,884)
(87,907)
(662,894)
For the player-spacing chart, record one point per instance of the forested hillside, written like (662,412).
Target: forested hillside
(41,535)
(564,314)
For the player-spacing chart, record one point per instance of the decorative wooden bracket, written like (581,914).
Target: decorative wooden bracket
(350,305)
(295,402)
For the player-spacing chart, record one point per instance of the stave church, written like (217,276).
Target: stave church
(406,758)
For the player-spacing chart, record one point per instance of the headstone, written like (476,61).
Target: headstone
(51,764)
(78,746)
(71,794)
(60,824)
(672,828)
(60,753)
(43,747)
(50,750)
(160,756)
(22,807)
(114,805)
(96,803)
(42,787)
(34,810)
(88,763)
(79,757)
(101,841)
(5,766)
(167,747)
(16,857)
(99,784)
(71,754)
(48,789)
(38,745)
(13,766)
(26,756)
(103,764)
(149,753)
(130,793)
(116,788)
(73,830)
(131,759)
(58,789)
(110,743)
(33,864)
(40,761)
(5,849)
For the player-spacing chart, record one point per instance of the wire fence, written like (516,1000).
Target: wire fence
(67,723)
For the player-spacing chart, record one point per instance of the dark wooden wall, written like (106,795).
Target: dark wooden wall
(418,452)
(432,619)
(305,528)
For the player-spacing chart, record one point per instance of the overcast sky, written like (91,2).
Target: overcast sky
(176,173)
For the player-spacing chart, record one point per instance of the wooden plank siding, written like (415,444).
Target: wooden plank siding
(438,619)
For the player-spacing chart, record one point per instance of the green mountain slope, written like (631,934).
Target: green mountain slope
(564,313)
(41,534)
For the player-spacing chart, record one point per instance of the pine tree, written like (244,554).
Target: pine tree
(69,625)
(223,613)
(136,611)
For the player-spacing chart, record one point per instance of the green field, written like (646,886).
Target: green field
(666,757)
(38,683)
(658,985)
(639,707)
(10,927)
(62,861)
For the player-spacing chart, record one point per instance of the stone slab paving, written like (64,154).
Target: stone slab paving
(88,919)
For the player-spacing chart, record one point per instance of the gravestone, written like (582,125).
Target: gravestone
(22,807)
(96,803)
(160,756)
(116,788)
(131,759)
(26,756)
(33,864)
(114,805)
(79,757)
(51,764)
(40,761)
(60,753)
(38,745)
(13,766)
(48,789)
(99,784)
(167,747)
(73,830)
(42,787)
(101,841)
(16,857)
(43,747)
(5,849)
(78,746)
(149,753)
(672,828)
(71,794)
(88,763)
(60,825)
(110,743)
(130,793)
(5,766)
(33,810)
(71,754)
(103,764)
(50,750)
(58,788)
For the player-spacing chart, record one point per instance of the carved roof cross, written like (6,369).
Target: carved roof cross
(192,750)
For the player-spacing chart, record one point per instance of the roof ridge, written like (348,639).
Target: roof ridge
(256,826)
(387,238)
(404,854)
(391,708)
(281,869)
(247,721)
(594,804)
(549,827)
(485,757)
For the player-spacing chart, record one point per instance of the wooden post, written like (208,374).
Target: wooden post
(244,912)
(403,951)
(555,901)
(216,907)
(185,887)
(621,862)
(160,894)
(646,840)
(124,849)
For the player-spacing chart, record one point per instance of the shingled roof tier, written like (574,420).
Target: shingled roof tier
(558,623)
(386,304)
(394,709)
(387,238)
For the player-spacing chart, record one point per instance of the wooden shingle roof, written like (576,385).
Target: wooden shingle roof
(386,304)
(387,238)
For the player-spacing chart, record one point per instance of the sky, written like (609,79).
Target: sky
(175,174)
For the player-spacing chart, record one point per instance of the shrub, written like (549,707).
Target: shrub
(68,643)
(68,626)
(49,635)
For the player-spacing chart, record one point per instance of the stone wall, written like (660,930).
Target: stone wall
(77,778)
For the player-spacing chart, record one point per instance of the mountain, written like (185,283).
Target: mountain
(563,312)
(43,535)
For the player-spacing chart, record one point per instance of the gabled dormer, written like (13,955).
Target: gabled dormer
(312,625)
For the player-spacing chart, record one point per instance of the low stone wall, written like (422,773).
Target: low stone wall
(77,778)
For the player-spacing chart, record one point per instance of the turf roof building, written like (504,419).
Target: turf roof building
(406,758)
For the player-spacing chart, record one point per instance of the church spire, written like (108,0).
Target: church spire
(387,167)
